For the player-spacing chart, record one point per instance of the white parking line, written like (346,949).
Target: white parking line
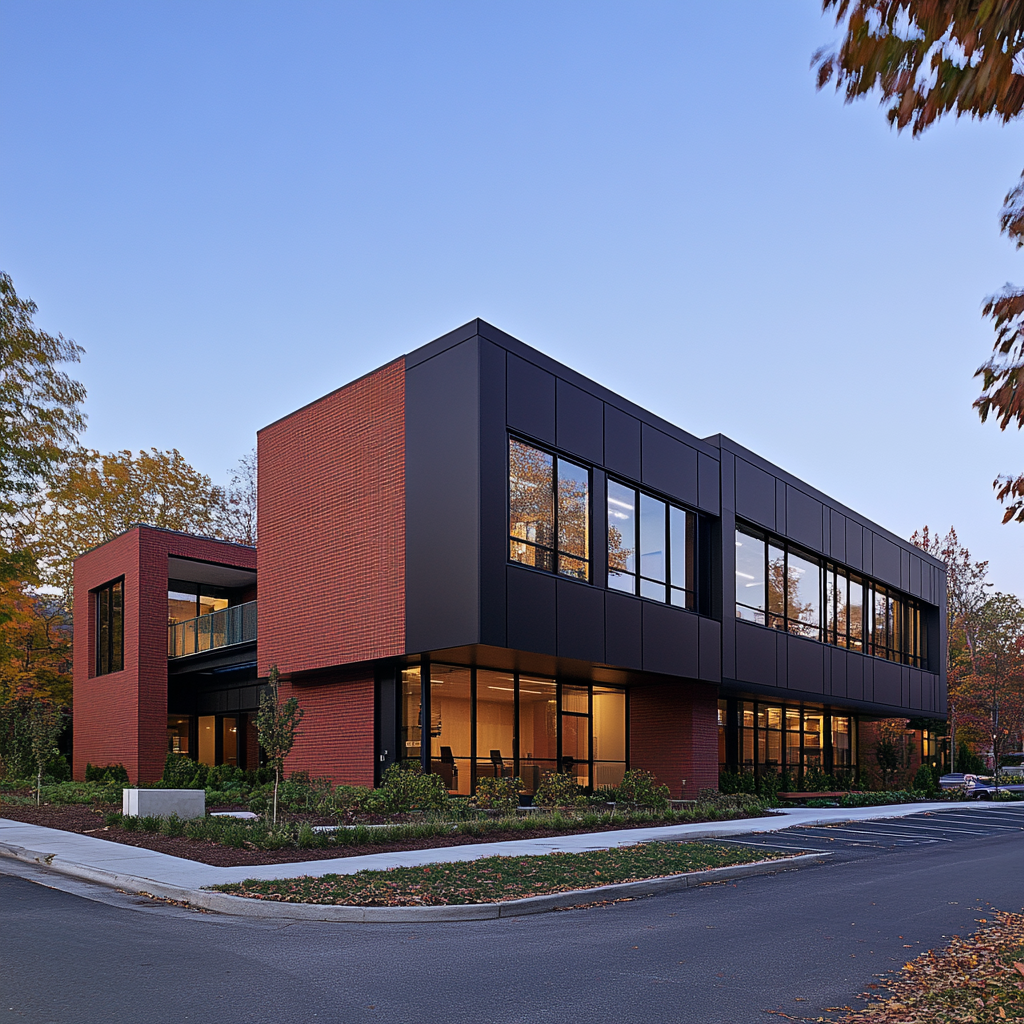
(941,828)
(889,835)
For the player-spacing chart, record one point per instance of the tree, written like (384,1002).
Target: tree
(40,418)
(967,592)
(235,518)
(276,726)
(45,723)
(95,497)
(928,59)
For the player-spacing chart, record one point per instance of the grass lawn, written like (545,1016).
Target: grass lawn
(497,879)
(978,978)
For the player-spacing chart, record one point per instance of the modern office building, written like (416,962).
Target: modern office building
(480,560)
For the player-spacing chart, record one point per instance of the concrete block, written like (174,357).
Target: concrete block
(162,803)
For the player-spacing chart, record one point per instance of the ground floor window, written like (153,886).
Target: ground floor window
(212,739)
(469,723)
(793,741)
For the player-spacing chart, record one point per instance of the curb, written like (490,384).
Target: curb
(243,906)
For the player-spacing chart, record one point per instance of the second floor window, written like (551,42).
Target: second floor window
(549,511)
(651,547)
(110,628)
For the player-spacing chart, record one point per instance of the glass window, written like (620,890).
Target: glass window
(666,539)
(451,708)
(856,613)
(549,512)
(109,605)
(178,729)
(750,597)
(538,730)
(841,751)
(181,606)
(803,596)
(495,723)
(208,739)
(573,520)
(411,728)
(229,741)
(207,605)
(682,546)
(621,537)
(776,587)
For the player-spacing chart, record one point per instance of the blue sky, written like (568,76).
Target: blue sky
(236,208)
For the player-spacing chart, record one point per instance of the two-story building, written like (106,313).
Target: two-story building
(478,559)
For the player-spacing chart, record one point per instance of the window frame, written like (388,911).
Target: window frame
(555,552)
(909,647)
(691,524)
(105,663)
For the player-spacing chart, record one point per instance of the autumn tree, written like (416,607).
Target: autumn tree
(95,497)
(929,59)
(235,518)
(967,593)
(45,723)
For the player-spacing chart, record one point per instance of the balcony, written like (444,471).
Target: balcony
(226,628)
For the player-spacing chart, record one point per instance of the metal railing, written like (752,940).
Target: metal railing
(234,625)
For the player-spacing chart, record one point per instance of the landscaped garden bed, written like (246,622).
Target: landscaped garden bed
(499,879)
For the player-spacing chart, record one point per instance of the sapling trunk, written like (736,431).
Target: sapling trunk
(277,777)
(39,785)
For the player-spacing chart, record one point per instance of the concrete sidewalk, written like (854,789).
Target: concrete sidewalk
(98,860)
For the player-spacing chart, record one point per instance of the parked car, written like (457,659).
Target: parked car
(981,787)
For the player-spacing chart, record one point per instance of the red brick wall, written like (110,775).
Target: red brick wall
(673,732)
(121,717)
(336,733)
(332,528)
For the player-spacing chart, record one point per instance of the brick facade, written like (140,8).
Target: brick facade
(335,737)
(121,717)
(332,528)
(673,732)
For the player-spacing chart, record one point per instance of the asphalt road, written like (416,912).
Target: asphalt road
(800,942)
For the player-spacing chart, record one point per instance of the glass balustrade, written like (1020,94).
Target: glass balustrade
(224,628)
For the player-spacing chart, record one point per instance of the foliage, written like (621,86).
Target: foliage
(888,749)
(897,796)
(496,879)
(497,794)
(96,497)
(406,787)
(40,418)
(45,724)
(235,516)
(926,780)
(969,763)
(928,59)
(640,788)
(108,774)
(558,789)
(712,804)
(277,724)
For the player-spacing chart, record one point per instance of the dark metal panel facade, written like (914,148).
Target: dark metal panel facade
(755,494)
(580,625)
(621,443)
(579,423)
(668,465)
(532,611)
(530,399)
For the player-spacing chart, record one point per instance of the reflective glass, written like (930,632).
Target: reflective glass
(803,596)
(682,539)
(609,724)
(621,532)
(531,504)
(180,606)
(538,730)
(576,747)
(229,741)
(750,591)
(573,517)
(178,728)
(856,613)
(575,699)
(207,739)
(652,539)
(410,727)
(495,717)
(776,584)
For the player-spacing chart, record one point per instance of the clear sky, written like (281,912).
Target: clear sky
(237,207)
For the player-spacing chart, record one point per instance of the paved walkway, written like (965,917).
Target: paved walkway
(98,859)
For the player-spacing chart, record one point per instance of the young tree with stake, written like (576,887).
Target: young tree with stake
(45,723)
(277,725)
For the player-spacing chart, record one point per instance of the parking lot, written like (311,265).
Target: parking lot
(959,824)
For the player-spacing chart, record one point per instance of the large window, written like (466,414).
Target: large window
(488,723)
(110,628)
(780,586)
(651,547)
(549,511)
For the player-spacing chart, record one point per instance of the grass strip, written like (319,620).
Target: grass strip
(498,879)
(977,978)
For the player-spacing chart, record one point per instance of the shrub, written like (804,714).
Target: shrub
(109,774)
(640,788)
(558,789)
(898,796)
(408,788)
(713,803)
(736,782)
(968,762)
(926,779)
(497,794)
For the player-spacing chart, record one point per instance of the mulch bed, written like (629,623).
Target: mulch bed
(89,820)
